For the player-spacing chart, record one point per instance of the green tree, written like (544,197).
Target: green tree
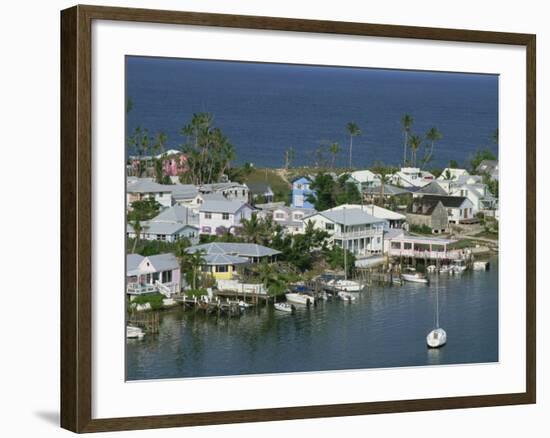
(384,173)
(406,124)
(334,256)
(433,135)
(334,149)
(138,229)
(415,141)
(143,210)
(353,131)
(323,186)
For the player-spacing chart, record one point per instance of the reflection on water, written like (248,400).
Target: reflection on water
(384,327)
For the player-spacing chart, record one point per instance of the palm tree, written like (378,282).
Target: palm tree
(415,141)
(432,135)
(407,122)
(334,149)
(383,173)
(138,229)
(251,229)
(353,131)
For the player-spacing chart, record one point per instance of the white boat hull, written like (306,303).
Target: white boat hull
(346,296)
(134,332)
(346,285)
(414,278)
(298,298)
(436,338)
(283,307)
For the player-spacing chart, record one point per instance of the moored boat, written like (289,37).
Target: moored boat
(458,266)
(346,285)
(346,296)
(413,276)
(283,307)
(134,332)
(299,298)
(436,338)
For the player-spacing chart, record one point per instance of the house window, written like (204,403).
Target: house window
(222,268)
(208,215)
(206,229)
(396,245)
(166,277)
(299,186)
(225,216)
(407,245)
(329,226)
(298,216)
(279,215)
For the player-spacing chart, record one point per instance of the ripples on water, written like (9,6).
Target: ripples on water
(384,327)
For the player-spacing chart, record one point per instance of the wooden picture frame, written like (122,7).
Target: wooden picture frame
(76,218)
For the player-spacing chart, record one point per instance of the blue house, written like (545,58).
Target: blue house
(300,192)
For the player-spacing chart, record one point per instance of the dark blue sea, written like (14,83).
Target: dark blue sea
(267,108)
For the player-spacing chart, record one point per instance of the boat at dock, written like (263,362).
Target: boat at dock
(134,332)
(413,276)
(345,285)
(283,307)
(299,298)
(481,265)
(458,266)
(346,296)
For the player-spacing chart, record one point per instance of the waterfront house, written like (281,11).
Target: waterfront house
(222,258)
(411,177)
(450,173)
(354,229)
(260,191)
(459,208)
(177,214)
(393,219)
(138,189)
(421,247)
(433,188)
(187,195)
(151,274)
(430,213)
(301,190)
(219,216)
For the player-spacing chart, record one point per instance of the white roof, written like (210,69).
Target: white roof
(238,249)
(364,176)
(454,173)
(175,214)
(219,206)
(351,216)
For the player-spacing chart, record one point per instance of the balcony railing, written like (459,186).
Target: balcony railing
(450,254)
(358,234)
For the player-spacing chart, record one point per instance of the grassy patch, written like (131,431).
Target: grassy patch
(155,300)
(280,187)
(488,234)
(461,244)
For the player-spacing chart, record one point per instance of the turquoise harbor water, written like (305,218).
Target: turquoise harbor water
(385,327)
(266,108)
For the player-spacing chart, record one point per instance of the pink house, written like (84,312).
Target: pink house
(174,163)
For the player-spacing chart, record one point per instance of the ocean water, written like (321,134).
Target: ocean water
(267,108)
(384,327)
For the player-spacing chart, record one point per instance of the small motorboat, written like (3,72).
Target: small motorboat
(431,269)
(244,305)
(458,266)
(436,338)
(283,307)
(299,298)
(346,285)
(445,269)
(134,332)
(346,296)
(413,276)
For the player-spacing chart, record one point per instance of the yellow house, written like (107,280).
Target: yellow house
(221,258)
(222,266)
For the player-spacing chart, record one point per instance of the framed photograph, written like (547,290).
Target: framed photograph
(270,218)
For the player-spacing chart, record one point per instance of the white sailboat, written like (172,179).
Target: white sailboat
(437,337)
(346,285)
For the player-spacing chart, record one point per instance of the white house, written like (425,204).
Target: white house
(138,189)
(478,194)
(217,216)
(233,191)
(452,173)
(354,229)
(156,273)
(459,209)
(393,219)
(364,178)
(411,177)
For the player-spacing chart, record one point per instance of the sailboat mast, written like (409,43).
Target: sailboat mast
(345,245)
(437,302)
